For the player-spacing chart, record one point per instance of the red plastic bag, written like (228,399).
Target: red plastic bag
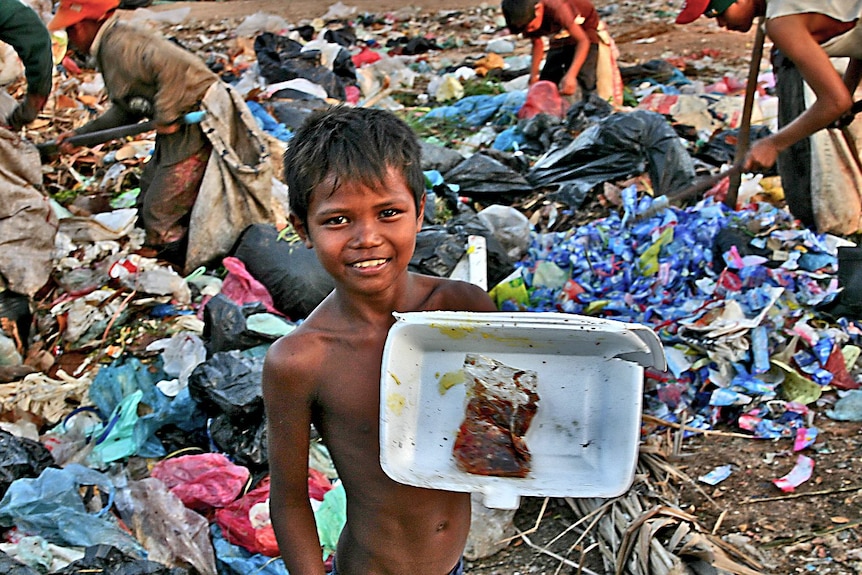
(236,523)
(202,481)
(543,97)
(246,522)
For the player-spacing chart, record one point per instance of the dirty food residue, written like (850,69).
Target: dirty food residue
(450,379)
(395,403)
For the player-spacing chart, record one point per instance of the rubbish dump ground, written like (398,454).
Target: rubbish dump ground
(707,488)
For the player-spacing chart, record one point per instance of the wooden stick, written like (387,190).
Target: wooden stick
(806,494)
(742,143)
(659,421)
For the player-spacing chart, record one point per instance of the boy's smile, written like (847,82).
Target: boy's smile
(364,236)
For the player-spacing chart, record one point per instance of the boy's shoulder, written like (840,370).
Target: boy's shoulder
(445,294)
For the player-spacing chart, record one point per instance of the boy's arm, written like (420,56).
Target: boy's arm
(791,36)
(288,415)
(538,53)
(569,83)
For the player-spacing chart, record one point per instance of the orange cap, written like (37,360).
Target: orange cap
(71,12)
(691,11)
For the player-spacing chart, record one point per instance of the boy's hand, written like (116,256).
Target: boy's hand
(762,156)
(26,111)
(64,146)
(568,85)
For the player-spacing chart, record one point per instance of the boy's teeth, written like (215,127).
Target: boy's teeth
(369,263)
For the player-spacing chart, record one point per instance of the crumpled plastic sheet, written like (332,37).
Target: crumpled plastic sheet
(660,271)
(479,110)
(51,506)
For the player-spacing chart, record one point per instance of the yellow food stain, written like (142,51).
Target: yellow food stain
(395,378)
(450,379)
(455,332)
(395,403)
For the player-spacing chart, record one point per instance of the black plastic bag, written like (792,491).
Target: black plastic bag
(281,59)
(721,147)
(225,325)
(21,457)
(228,388)
(9,566)
(439,248)
(107,560)
(289,271)
(487,179)
(228,382)
(620,146)
(244,440)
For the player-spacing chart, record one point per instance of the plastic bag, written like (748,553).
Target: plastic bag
(439,248)
(108,560)
(236,560)
(242,287)
(172,534)
(483,177)
(181,353)
(114,383)
(543,97)
(229,390)
(21,457)
(229,382)
(511,227)
(237,527)
(620,146)
(288,269)
(51,506)
(226,326)
(202,481)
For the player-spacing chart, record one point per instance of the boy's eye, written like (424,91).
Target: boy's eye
(335,221)
(390,212)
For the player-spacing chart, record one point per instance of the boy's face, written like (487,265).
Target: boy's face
(738,17)
(536,22)
(82,34)
(363,236)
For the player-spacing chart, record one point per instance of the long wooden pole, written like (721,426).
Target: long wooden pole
(744,138)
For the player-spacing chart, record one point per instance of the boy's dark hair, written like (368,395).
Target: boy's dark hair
(518,13)
(349,143)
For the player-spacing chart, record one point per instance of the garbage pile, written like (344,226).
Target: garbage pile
(132,433)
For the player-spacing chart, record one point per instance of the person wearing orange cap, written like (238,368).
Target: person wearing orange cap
(572,28)
(808,33)
(148,76)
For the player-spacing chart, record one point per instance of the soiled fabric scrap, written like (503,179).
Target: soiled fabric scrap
(48,399)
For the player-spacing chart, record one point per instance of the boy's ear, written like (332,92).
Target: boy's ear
(420,216)
(300,229)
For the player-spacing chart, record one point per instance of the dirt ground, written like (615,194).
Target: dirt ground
(816,529)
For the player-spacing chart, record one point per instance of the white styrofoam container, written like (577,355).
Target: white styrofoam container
(584,437)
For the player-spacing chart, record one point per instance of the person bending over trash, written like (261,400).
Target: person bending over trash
(28,224)
(808,32)
(573,30)
(148,76)
(23,29)
(357,197)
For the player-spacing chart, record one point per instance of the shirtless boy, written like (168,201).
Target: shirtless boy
(356,197)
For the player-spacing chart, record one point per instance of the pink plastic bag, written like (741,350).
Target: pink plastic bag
(241,287)
(202,481)
(543,97)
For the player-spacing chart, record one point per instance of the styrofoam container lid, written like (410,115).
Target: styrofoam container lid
(584,437)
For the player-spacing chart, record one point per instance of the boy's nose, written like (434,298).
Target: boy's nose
(366,234)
